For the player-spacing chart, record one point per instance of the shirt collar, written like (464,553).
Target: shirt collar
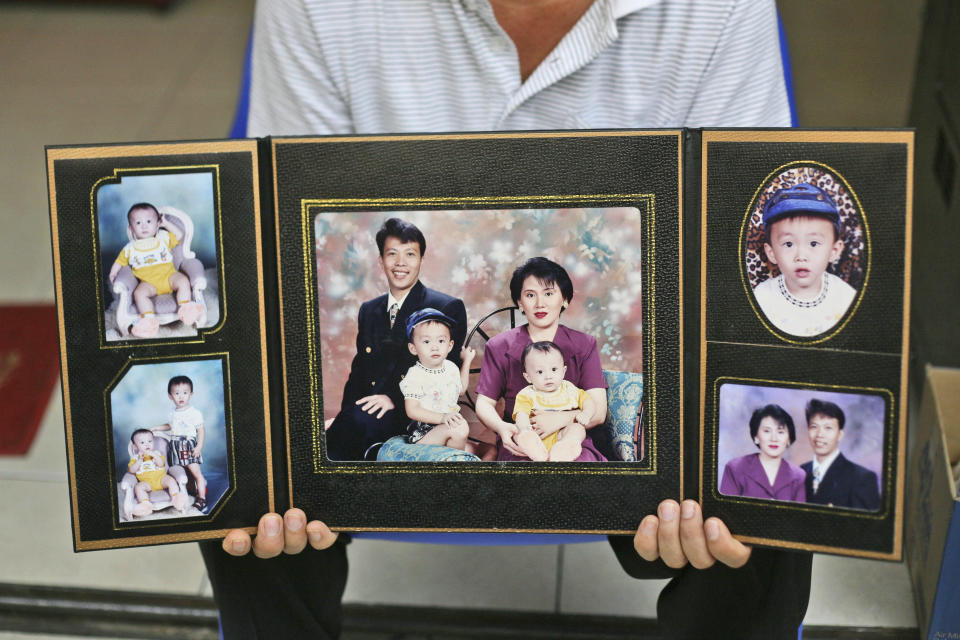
(823,466)
(391,300)
(622,8)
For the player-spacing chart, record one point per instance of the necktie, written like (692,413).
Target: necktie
(817,477)
(393,313)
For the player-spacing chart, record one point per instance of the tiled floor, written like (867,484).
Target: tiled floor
(102,73)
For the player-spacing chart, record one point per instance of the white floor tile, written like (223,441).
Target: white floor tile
(400,573)
(856,592)
(594,583)
(37,540)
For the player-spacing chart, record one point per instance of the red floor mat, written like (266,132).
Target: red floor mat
(29,369)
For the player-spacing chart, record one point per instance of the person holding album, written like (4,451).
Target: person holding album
(325,67)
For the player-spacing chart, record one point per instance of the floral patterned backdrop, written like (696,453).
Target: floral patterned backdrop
(471,255)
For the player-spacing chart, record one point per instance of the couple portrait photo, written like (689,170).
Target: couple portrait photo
(801,445)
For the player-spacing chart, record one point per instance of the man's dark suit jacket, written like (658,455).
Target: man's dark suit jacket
(846,484)
(382,359)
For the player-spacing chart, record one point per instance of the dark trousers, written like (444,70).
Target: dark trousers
(766,599)
(295,596)
(354,431)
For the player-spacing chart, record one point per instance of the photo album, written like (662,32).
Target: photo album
(487,332)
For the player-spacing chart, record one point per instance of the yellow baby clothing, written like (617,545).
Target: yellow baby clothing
(152,470)
(151,259)
(567,397)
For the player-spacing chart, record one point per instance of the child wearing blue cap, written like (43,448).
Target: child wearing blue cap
(432,386)
(801,224)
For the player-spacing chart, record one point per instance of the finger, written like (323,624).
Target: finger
(380,414)
(320,535)
(723,546)
(645,540)
(237,543)
(692,537)
(269,540)
(668,534)
(363,400)
(294,531)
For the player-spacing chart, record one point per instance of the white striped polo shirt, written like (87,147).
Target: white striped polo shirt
(373,66)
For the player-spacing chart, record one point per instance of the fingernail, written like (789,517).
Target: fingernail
(686,510)
(648,528)
(294,523)
(713,530)
(668,512)
(239,546)
(272,527)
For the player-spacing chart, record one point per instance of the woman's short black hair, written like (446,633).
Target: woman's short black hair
(776,412)
(403,231)
(825,408)
(546,271)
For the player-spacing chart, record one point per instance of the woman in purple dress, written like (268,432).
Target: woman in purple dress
(766,474)
(541,289)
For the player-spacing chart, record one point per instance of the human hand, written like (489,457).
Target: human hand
(467,354)
(378,403)
(289,534)
(583,418)
(453,419)
(678,535)
(547,422)
(196,452)
(507,431)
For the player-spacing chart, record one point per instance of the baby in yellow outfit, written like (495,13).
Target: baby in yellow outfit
(150,467)
(150,256)
(543,368)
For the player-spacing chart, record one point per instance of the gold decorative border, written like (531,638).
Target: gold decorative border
(224,359)
(748,291)
(54,154)
(323,466)
(117,176)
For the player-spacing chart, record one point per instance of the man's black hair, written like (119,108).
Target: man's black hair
(823,407)
(547,272)
(142,205)
(776,412)
(175,380)
(544,346)
(402,230)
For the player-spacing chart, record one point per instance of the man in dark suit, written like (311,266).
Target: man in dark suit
(372,407)
(831,478)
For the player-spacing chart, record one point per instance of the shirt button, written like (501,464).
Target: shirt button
(373,383)
(369,349)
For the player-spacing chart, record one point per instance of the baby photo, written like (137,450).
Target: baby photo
(801,445)
(805,253)
(158,255)
(169,439)
(511,335)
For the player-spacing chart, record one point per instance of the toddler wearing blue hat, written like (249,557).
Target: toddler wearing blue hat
(432,386)
(802,227)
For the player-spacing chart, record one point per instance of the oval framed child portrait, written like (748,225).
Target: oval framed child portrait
(806,252)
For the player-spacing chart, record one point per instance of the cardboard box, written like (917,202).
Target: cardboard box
(933,510)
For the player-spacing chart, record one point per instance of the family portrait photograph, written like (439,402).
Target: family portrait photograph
(509,335)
